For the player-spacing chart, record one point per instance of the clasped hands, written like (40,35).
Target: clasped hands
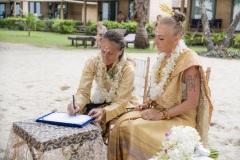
(96,113)
(148,113)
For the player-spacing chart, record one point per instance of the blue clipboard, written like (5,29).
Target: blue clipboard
(64,119)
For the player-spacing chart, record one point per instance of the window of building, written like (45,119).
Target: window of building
(236,9)
(12,9)
(2,11)
(131,10)
(210,6)
(35,7)
(56,9)
(105,7)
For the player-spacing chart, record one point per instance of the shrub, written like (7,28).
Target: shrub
(13,23)
(64,26)
(40,25)
(91,28)
(189,38)
(2,23)
(48,23)
(79,23)
(236,42)
(218,37)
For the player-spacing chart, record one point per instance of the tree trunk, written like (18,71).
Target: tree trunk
(206,28)
(141,39)
(231,31)
(140,15)
(188,14)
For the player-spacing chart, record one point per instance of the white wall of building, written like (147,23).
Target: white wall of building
(25,8)
(154,9)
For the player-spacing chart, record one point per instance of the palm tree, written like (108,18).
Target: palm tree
(140,15)
(30,22)
(222,48)
(206,28)
(231,30)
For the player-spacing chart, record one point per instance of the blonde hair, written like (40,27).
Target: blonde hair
(176,22)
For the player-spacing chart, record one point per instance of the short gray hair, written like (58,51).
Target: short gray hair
(114,36)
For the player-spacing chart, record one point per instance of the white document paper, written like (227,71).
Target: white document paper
(67,118)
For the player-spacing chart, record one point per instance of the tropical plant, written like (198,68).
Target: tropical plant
(200,39)
(31,20)
(217,38)
(189,38)
(236,42)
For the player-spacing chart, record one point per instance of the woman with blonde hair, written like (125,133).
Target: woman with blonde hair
(179,96)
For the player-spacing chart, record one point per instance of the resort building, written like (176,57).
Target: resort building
(220,12)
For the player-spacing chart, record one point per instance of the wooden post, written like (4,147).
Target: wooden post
(14,8)
(85,13)
(61,11)
(182,6)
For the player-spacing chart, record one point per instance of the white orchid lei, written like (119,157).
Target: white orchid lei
(113,77)
(183,142)
(157,89)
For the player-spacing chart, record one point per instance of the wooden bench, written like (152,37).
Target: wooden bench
(130,38)
(84,40)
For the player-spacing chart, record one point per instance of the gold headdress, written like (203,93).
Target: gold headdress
(166,9)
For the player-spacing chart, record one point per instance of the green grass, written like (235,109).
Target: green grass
(49,39)
(39,39)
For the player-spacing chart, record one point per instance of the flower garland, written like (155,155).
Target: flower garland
(113,77)
(157,88)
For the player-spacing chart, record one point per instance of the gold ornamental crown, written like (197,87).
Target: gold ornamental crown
(166,9)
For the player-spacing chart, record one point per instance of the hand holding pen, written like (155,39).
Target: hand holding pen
(73,107)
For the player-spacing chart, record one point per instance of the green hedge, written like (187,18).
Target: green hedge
(13,23)
(50,25)
(69,26)
(91,28)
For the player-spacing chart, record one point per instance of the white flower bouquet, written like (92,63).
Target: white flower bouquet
(183,142)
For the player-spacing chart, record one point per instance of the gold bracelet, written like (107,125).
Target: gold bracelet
(163,116)
(166,113)
(148,105)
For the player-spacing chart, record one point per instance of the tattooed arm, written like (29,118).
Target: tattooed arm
(191,78)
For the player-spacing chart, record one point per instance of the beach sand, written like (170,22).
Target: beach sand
(35,81)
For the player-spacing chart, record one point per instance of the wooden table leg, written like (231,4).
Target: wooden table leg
(84,43)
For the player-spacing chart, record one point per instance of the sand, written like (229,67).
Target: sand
(34,81)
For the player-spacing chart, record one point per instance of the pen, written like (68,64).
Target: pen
(74,107)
